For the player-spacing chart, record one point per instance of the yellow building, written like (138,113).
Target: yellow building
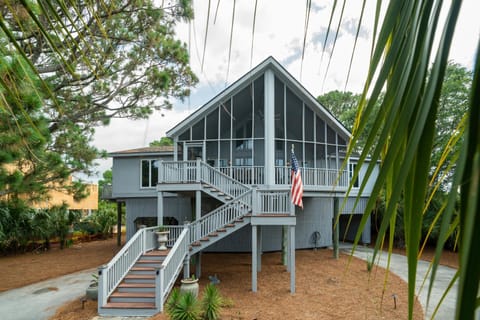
(57,198)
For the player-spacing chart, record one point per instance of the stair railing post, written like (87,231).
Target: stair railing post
(144,239)
(102,287)
(159,282)
(198,173)
(254,201)
(160,169)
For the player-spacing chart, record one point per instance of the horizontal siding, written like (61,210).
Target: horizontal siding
(316,217)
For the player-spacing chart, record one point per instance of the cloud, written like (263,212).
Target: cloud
(279,31)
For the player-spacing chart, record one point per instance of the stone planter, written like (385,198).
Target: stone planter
(92,292)
(162,238)
(189,285)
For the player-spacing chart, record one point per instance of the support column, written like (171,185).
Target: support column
(285,245)
(198,265)
(198,205)
(292,258)
(336,228)
(259,248)
(119,224)
(160,208)
(186,267)
(254,258)
(288,247)
(198,211)
(269,109)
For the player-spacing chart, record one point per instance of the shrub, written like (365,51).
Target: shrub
(186,308)
(211,303)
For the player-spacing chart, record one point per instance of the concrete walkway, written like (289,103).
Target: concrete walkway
(398,265)
(40,300)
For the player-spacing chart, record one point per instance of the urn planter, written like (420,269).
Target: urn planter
(162,239)
(92,292)
(189,285)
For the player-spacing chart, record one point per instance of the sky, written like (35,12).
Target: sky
(279,32)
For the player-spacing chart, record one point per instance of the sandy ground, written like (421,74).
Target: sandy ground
(325,288)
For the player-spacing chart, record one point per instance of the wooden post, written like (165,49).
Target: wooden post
(119,224)
(291,259)
(336,228)
(254,258)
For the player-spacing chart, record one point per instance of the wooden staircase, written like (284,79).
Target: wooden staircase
(219,234)
(135,295)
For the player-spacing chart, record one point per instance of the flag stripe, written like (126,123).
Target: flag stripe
(297,184)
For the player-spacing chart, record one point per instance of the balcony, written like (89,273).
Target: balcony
(313,178)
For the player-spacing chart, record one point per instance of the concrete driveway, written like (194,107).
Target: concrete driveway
(40,300)
(398,265)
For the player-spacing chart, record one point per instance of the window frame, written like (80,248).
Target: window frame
(151,168)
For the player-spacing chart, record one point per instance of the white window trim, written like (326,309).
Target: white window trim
(150,165)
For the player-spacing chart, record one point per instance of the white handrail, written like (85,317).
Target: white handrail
(171,266)
(221,181)
(220,217)
(111,274)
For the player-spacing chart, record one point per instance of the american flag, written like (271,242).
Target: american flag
(297,184)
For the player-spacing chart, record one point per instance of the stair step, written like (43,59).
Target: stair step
(156,253)
(205,239)
(117,294)
(213,234)
(142,269)
(129,305)
(139,297)
(148,263)
(139,278)
(136,287)
(222,230)
(196,244)
(230,225)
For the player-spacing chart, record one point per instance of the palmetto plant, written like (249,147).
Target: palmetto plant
(211,303)
(187,307)
(403,52)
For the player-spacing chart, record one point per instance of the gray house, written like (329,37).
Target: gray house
(225,183)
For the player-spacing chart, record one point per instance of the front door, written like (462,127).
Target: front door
(193,151)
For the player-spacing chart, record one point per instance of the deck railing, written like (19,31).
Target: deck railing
(272,202)
(314,177)
(198,171)
(170,268)
(245,174)
(177,171)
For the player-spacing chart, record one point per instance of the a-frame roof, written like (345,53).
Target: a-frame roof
(282,74)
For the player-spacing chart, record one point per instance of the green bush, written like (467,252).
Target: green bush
(104,218)
(186,307)
(211,303)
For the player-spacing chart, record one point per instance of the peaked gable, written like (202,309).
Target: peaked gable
(279,71)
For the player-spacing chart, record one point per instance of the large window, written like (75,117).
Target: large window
(149,173)
(232,130)
(317,144)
